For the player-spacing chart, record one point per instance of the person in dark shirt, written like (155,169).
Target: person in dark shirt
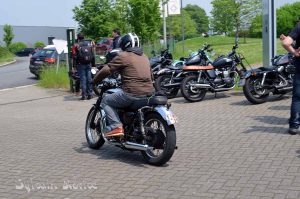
(116,37)
(292,43)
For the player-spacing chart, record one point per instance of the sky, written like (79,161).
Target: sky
(59,12)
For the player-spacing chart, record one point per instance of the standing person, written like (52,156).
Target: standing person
(134,68)
(84,56)
(116,38)
(287,43)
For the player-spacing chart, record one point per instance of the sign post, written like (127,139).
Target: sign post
(70,43)
(269,31)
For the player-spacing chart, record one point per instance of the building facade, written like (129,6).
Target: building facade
(31,34)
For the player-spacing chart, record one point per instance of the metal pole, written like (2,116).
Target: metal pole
(269,31)
(182,26)
(164,24)
(168,41)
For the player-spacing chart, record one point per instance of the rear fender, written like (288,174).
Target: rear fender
(254,72)
(166,114)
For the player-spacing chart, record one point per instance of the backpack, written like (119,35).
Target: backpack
(85,53)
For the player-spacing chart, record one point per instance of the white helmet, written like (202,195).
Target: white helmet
(129,40)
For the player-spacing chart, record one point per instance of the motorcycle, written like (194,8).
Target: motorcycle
(159,62)
(148,124)
(217,77)
(277,79)
(169,78)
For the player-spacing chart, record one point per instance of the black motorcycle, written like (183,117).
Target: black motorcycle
(277,79)
(148,124)
(169,78)
(158,62)
(218,77)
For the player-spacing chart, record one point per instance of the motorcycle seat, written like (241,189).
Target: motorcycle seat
(148,101)
(198,67)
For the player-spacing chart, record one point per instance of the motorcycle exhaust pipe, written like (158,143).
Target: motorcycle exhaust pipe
(135,146)
(171,85)
(290,88)
(202,86)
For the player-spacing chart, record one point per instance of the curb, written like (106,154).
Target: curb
(8,63)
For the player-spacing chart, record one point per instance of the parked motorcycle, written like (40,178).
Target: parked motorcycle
(148,124)
(277,79)
(218,77)
(158,62)
(169,78)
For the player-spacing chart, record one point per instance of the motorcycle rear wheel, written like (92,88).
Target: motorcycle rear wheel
(188,92)
(159,83)
(161,131)
(93,137)
(253,91)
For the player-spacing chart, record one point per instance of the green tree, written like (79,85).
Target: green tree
(190,26)
(8,34)
(144,18)
(222,15)
(95,17)
(287,17)
(39,44)
(198,14)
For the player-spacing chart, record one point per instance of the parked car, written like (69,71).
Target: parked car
(103,46)
(46,57)
(25,52)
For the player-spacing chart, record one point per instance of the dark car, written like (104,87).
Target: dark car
(42,59)
(25,52)
(103,46)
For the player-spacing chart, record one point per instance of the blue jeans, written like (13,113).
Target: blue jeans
(85,79)
(295,107)
(110,103)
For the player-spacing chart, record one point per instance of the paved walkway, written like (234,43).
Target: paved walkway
(227,148)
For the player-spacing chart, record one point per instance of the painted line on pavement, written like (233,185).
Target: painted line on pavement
(9,89)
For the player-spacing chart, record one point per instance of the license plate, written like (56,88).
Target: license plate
(242,82)
(172,118)
(38,62)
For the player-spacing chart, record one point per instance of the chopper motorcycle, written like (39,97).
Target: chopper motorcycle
(218,77)
(277,79)
(148,125)
(169,78)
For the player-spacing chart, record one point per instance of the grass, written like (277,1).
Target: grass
(251,48)
(5,55)
(50,79)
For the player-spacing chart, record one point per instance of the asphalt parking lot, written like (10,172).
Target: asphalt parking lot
(227,148)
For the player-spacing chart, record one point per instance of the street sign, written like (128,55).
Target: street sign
(174,7)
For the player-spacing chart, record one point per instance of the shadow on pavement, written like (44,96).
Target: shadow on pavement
(298,151)
(271,120)
(280,108)
(209,96)
(110,152)
(262,129)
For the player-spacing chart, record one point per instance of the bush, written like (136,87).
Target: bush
(5,55)
(39,44)
(50,79)
(15,47)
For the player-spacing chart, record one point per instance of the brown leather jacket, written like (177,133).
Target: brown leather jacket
(135,71)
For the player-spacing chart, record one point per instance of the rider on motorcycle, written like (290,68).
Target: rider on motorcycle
(134,68)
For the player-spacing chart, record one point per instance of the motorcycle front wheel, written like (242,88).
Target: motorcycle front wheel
(254,92)
(162,137)
(160,83)
(189,92)
(92,129)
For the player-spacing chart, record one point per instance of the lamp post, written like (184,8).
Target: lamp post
(163,3)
